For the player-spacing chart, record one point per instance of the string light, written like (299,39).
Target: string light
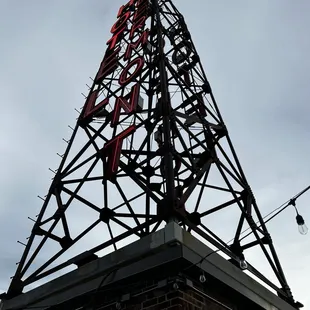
(175,286)
(302,227)
(243,264)
(202,277)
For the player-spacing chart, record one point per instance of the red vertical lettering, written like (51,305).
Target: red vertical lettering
(138,24)
(142,10)
(126,7)
(121,22)
(112,150)
(134,46)
(116,38)
(122,102)
(90,109)
(124,79)
(108,65)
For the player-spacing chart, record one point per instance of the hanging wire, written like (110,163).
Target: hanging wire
(280,209)
(201,260)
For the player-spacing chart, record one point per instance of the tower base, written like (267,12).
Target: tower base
(160,272)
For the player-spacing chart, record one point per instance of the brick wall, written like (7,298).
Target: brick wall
(172,294)
(185,299)
(168,298)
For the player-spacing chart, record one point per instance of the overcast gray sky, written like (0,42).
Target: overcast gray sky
(256,56)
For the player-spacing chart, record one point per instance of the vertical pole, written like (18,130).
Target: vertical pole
(166,110)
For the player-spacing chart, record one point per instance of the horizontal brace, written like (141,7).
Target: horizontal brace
(222,206)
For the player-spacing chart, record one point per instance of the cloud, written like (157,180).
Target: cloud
(255,56)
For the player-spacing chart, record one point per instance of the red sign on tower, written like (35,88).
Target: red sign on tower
(135,12)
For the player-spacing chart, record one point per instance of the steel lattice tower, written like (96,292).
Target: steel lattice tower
(149,147)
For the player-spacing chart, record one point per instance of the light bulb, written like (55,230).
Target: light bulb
(243,264)
(302,227)
(202,278)
(175,286)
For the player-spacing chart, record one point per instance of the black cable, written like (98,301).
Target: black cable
(280,208)
(290,202)
(244,231)
(98,288)
(201,260)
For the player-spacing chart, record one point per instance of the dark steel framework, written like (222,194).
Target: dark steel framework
(176,158)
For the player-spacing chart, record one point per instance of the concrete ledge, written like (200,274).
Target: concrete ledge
(171,244)
(227,273)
